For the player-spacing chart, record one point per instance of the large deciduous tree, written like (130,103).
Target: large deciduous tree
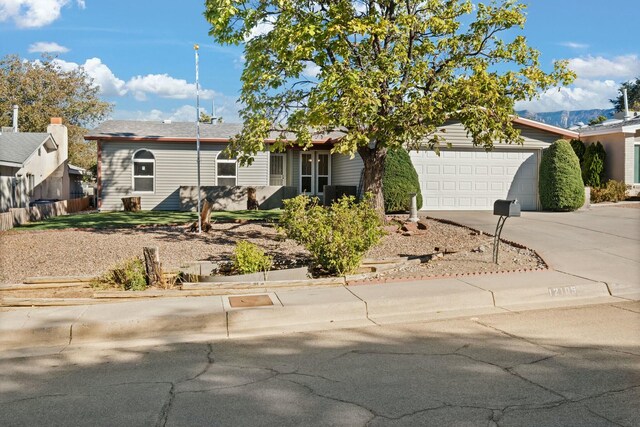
(43,89)
(387,73)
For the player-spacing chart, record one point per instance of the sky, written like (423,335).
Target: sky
(140,53)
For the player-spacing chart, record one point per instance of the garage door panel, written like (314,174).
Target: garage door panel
(474,179)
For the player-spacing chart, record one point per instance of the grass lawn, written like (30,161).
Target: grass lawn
(133,219)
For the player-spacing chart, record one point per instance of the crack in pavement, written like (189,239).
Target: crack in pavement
(164,411)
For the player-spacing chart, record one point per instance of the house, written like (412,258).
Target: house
(157,161)
(33,166)
(621,141)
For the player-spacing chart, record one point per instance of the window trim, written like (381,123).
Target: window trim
(314,171)
(133,171)
(228,161)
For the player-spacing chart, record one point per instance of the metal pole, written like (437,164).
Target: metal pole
(196,47)
(496,237)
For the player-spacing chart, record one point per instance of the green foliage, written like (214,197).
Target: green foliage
(597,120)
(129,275)
(42,89)
(400,178)
(633,96)
(387,74)
(612,191)
(249,258)
(593,165)
(578,148)
(337,237)
(560,184)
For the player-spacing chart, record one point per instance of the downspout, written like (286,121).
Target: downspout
(15,118)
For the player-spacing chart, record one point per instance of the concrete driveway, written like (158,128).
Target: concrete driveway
(601,244)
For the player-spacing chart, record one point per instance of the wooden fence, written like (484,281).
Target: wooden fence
(19,216)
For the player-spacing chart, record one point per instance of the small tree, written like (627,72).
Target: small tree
(633,96)
(399,180)
(593,165)
(560,185)
(597,120)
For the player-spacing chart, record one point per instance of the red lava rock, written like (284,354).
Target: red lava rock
(422,224)
(390,228)
(410,226)
(407,233)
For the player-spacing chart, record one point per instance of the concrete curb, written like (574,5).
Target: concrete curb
(297,310)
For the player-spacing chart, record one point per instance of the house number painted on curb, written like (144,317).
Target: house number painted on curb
(563,291)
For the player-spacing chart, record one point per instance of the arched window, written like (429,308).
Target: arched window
(144,171)
(226,170)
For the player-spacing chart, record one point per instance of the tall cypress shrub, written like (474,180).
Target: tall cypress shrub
(399,180)
(593,165)
(579,148)
(560,185)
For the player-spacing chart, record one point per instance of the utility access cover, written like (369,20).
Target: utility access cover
(250,301)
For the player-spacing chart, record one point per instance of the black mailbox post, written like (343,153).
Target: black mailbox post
(504,209)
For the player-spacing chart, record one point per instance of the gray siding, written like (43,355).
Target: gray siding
(345,170)
(175,166)
(533,138)
(257,173)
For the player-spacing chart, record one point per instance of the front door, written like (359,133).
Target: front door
(277,169)
(315,172)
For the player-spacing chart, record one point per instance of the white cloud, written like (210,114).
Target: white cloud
(584,94)
(620,67)
(33,13)
(102,75)
(574,45)
(47,47)
(184,113)
(262,28)
(311,70)
(164,86)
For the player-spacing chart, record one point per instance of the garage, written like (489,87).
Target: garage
(472,179)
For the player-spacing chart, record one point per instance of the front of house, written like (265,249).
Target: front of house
(157,161)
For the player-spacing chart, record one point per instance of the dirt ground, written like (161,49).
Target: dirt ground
(91,252)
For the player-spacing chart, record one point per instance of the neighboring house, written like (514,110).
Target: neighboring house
(621,141)
(33,166)
(157,161)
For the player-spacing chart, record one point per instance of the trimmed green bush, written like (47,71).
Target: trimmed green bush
(612,191)
(578,148)
(593,165)
(129,275)
(399,180)
(560,185)
(337,237)
(249,258)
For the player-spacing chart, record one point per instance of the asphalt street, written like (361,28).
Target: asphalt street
(557,367)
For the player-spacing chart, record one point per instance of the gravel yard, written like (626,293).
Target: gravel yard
(91,252)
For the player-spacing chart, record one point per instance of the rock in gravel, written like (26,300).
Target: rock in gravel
(480,249)
(407,233)
(390,228)
(422,224)
(410,227)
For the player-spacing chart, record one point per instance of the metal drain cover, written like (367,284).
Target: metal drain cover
(250,301)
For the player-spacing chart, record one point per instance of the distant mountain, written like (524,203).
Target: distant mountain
(566,119)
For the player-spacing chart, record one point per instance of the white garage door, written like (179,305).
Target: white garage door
(474,179)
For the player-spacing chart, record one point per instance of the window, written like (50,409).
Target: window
(315,171)
(143,171)
(276,169)
(636,164)
(306,173)
(226,170)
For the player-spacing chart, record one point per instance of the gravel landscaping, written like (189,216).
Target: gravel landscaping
(91,252)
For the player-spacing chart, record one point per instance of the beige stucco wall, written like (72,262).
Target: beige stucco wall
(619,148)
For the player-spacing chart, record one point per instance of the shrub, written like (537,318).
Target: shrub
(249,258)
(560,184)
(612,191)
(129,275)
(400,178)
(593,165)
(337,237)
(578,148)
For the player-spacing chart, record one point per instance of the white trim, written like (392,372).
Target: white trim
(133,171)
(227,161)
(328,176)
(314,170)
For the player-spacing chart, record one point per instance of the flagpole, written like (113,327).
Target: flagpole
(196,47)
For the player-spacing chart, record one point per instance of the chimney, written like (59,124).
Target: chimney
(15,118)
(627,116)
(60,135)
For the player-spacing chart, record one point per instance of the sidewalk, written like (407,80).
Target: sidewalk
(307,309)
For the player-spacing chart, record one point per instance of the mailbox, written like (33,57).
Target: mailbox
(506,208)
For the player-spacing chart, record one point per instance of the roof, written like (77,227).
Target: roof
(618,126)
(17,147)
(76,170)
(543,126)
(175,131)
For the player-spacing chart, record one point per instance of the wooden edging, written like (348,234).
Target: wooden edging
(36,286)
(58,279)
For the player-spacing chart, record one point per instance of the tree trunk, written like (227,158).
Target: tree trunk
(373,159)
(152,265)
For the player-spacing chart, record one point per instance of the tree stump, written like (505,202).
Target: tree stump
(131,204)
(252,201)
(152,265)
(205,218)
